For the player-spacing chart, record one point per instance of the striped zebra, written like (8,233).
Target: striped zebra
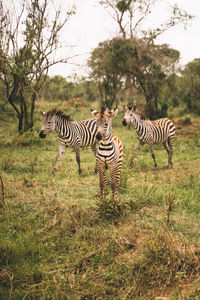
(72,134)
(151,132)
(109,152)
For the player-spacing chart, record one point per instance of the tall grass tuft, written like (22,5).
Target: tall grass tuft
(166,259)
(111,210)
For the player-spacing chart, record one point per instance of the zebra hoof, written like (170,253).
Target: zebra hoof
(53,172)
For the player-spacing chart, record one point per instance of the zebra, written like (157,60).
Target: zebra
(151,132)
(109,152)
(72,134)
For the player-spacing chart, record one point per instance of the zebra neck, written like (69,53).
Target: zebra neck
(139,125)
(107,139)
(61,126)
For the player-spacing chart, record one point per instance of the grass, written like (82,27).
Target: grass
(58,240)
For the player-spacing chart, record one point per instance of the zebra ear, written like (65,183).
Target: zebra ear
(125,107)
(112,113)
(95,113)
(43,113)
(134,106)
(116,111)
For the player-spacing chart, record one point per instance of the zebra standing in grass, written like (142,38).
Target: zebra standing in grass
(72,134)
(151,132)
(109,151)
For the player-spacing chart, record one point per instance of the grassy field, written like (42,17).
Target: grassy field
(58,240)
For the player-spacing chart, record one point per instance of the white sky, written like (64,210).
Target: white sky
(92,24)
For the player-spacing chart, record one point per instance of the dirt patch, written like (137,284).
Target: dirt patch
(187,126)
(183,122)
(76,102)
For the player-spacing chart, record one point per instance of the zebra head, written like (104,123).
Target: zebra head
(104,121)
(129,114)
(48,123)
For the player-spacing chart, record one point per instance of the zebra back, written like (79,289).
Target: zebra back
(70,133)
(157,131)
(162,130)
(82,133)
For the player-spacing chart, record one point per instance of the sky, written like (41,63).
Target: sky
(93,24)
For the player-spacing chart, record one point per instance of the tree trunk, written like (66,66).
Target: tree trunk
(101,94)
(150,109)
(34,96)
(20,123)
(131,89)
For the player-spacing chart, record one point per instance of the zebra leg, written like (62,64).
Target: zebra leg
(94,149)
(103,180)
(170,143)
(78,160)
(166,146)
(153,155)
(137,148)
(58,156)
(114,180)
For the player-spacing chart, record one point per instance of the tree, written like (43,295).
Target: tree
(56,88)
(103,63)
(28,43)
(189,85)
(130,16)
(147,65)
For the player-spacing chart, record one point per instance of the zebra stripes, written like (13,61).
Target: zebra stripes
(151,132)
(109,152)
(72,134)
(107,148)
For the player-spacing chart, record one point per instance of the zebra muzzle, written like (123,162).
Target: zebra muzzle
(99,136)
(124,122)
(42,135)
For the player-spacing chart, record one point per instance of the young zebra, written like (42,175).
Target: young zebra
(109,152)
(151,132)
(72,134)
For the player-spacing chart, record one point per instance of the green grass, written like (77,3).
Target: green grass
(58,240)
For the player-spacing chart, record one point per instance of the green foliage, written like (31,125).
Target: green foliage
(103,63)
(123,5)
(150,65)
(189,86)
(76,105)
(62,89)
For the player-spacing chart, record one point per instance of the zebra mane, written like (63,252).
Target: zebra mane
(58,113)
(140,115)
(103,109)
